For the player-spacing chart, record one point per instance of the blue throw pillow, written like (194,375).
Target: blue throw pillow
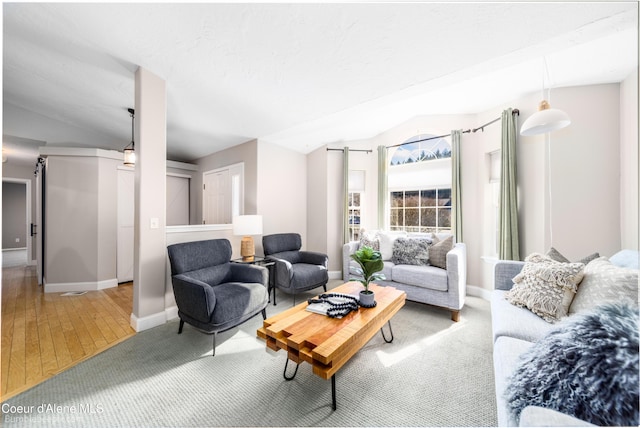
(586,367)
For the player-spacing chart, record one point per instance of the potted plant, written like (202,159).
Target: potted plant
(370,264)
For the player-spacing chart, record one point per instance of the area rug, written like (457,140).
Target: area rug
(435,373)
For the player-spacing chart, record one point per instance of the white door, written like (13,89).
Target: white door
(126,207)
(177,200)
(217,197)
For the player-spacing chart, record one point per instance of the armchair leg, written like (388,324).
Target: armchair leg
(180,328)
(455,316)
(325,287)
(264,314)
(214,344)
(274,295)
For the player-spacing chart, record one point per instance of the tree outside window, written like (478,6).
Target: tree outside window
(421,210)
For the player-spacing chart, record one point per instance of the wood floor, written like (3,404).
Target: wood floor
(45,334)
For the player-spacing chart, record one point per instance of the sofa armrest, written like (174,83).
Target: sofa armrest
(348,249)
(457,275)
(194,297)
(503,273)
(249,274)
(534,416)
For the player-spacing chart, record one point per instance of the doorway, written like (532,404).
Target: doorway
(16,222)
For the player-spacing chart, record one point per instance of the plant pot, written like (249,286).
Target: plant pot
(367,299)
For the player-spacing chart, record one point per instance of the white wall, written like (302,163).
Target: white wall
(247,153)
(281,192)
(629,162)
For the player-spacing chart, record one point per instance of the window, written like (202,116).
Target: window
(355,210)
(421,210)
(415,150)
(420,185)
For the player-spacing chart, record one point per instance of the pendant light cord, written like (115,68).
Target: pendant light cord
(548,138)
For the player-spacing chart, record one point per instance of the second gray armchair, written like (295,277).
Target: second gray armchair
(295,270)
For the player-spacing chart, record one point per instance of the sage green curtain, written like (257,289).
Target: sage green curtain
(383,192)
(345,173)
(456,193)
(509,244)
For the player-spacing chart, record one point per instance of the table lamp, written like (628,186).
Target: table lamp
(245,226)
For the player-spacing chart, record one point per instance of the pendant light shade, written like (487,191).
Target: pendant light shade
(546,119)
(130,150)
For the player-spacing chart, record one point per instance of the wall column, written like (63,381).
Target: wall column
(150,251)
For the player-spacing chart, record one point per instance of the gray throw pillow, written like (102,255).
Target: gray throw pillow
(557,256)
(411,251)
(605,282)
(438,251)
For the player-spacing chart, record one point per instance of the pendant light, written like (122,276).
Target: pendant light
(129,151)
(546,119)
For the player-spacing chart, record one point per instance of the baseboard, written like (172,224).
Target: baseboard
(62,287)
(475,291)
(335,274)
(171,313)
(150,321)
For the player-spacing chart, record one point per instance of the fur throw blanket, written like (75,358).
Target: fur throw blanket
(587,367)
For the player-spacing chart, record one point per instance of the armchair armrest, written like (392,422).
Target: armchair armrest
(457,275)
(314,258)
(195,298)
(249,273)
(284,271)
(503,273)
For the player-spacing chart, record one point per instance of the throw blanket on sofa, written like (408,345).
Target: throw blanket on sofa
(586,367)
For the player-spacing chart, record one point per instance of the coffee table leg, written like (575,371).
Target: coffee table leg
(390,331)
(285,371)
(333,392)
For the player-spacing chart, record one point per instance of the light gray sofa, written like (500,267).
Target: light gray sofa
(432,285)
(515,330)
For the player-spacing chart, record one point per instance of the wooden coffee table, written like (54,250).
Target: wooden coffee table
(328,343)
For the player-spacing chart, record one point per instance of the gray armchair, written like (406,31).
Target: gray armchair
(295,270)
(213,294)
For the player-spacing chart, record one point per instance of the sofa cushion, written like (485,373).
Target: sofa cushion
(587,367)
(604,282)
(386,243)
(506,354)
(411,251)
(513,321)
(546,287)
(626,258)
(438,251)
(370,239)
(429,277)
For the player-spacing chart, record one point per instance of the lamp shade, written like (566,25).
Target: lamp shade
(546,119)
(247,225)
(129,156)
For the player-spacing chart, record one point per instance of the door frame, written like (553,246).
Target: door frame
(28,236)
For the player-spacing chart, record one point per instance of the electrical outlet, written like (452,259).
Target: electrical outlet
(17,239)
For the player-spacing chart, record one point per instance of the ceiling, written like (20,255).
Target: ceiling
(298,74)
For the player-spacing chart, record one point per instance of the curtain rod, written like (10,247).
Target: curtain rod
(350,150)
(426,139)
(514,111)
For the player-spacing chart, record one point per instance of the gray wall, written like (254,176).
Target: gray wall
(14,215)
